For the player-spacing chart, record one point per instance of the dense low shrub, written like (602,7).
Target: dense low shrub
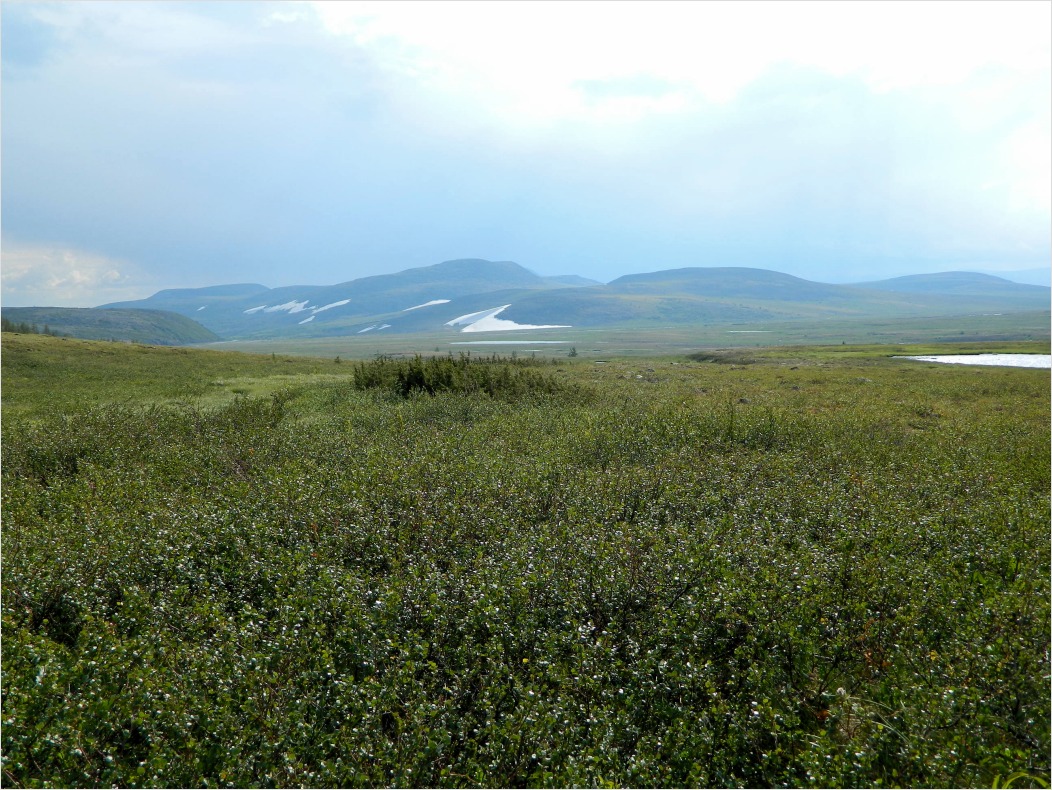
(808,577)
(493,376)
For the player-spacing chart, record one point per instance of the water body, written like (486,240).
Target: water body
(1001,360)
(507,342)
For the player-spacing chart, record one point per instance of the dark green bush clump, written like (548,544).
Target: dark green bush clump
(724,357)
(493,376)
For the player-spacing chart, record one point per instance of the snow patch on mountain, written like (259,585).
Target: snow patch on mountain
(487,321)
(426,304)
(291,307)
(294,307)
(471,318)
(340,303)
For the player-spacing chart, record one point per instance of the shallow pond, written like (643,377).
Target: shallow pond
(1002,360)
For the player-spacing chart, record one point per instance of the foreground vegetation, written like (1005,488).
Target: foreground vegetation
(797,568)
(42,377)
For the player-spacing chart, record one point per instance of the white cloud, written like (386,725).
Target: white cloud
(143,31)
(1029,161)
(959,89)
(57,276)
(522,59)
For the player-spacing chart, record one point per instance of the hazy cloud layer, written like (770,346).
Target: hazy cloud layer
(282,143)
(60,277)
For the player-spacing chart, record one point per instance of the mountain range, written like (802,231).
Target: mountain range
(472,295)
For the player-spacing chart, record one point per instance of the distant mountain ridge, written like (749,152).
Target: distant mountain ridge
(724,282)
(971,283)
(438,298)
(1041,275)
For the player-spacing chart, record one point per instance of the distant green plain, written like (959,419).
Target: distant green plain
(647,340)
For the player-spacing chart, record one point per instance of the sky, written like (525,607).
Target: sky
(150,145)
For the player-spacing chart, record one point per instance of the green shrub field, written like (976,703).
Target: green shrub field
(812,568)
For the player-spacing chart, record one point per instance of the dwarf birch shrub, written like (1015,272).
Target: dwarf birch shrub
(651,584)
(492,376)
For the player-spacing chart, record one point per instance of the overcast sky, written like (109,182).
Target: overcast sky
(152,145)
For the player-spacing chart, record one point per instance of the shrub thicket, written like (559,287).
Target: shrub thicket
(494,376)
(26,328)
(652,586)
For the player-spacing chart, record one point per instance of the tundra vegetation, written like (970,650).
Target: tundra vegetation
(801,567)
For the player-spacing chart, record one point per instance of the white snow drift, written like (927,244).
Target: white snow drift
(426,304)
(340,303)
(294,307)
(487,321)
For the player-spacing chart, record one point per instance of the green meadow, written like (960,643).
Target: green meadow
(782,566)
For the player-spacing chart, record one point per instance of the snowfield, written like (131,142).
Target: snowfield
(487,321)
(1003,360)
(294,307)
(340,303)
(426,304)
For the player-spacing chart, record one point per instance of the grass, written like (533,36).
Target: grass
(817,566)
(43,376)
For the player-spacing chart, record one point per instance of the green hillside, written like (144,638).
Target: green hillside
(595,307)
(156,327)
(46,375)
